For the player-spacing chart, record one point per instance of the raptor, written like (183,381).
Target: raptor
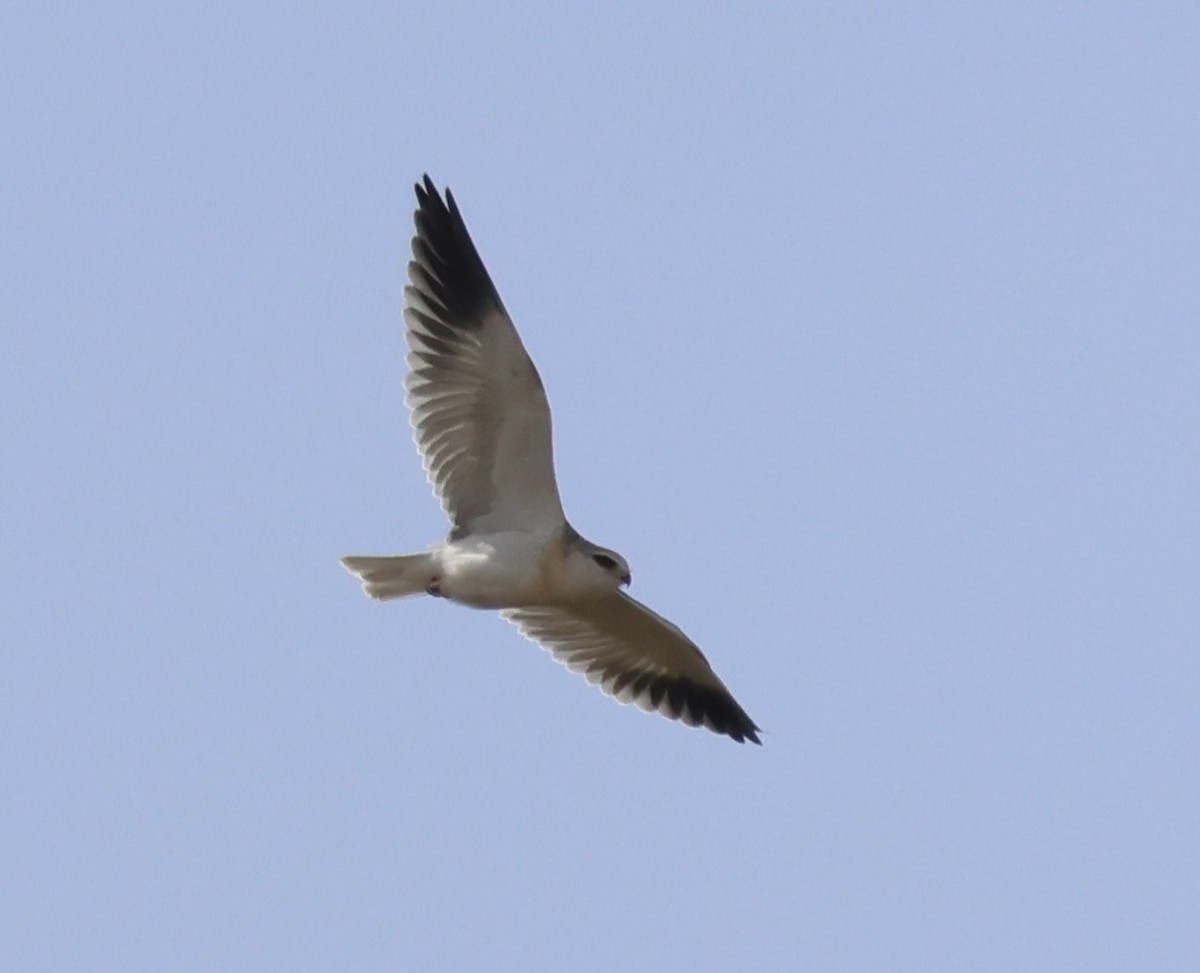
(482,425)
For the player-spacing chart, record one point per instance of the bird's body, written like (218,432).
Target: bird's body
(512,569)
(503,570)
(482,425)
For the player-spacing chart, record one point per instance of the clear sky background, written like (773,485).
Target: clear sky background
(872,337)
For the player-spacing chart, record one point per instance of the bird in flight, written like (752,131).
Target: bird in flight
(482,425)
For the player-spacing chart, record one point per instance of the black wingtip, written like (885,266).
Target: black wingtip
(747,731)
(451,273)
(700,705)
(427,190)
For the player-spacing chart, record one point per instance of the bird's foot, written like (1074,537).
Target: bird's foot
(435,588)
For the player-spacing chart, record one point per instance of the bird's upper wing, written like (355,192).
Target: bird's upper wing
(637,656)
(479,412)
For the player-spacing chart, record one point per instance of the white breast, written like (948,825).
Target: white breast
(502,570)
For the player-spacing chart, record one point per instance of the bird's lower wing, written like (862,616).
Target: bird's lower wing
(637,656)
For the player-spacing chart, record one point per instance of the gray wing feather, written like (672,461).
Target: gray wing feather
(479,412)
(637,656)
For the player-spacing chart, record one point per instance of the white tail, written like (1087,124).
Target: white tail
(392,577)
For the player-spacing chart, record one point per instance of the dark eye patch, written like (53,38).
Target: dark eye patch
(604,561)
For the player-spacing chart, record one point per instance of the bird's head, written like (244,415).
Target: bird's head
(612,564)
(595,570)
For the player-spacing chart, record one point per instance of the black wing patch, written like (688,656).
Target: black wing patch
(447,269)
(679,698)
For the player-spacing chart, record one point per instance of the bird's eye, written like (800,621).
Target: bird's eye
(604,561)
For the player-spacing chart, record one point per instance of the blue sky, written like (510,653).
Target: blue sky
(871,338)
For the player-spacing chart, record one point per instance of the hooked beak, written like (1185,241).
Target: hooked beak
(626,579)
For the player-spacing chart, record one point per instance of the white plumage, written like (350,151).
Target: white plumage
(482,425)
